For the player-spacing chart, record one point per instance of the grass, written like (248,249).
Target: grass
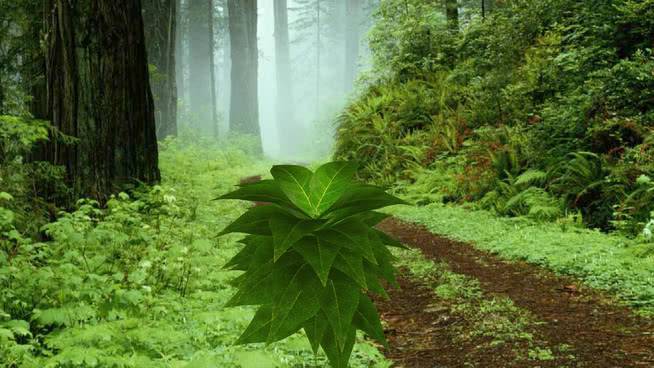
(608,262)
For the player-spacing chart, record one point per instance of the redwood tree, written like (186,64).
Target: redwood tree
(286,124)
(199,63)
(244,105)
(99,92)
(160,18)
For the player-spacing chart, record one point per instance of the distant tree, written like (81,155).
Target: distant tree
(212,68)
(285,112)
(244,106)
(452,13)
(160,19)
(199,41)
(353,18)
(99,92)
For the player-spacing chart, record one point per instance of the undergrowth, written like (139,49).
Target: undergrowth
(140,282)
(609,262)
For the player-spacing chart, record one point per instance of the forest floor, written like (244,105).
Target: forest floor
(458,305)
(463,307)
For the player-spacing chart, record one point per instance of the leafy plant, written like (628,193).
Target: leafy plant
(310,257)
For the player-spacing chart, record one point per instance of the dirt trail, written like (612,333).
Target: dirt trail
(601,334)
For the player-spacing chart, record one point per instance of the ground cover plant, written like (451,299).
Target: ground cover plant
(609,262)
(533,108)
(311,255)
(139,283)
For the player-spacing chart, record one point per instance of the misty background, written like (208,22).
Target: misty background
(308,56)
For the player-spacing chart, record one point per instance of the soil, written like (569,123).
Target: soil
(599,331)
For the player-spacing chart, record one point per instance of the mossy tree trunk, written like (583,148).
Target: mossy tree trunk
(99,92)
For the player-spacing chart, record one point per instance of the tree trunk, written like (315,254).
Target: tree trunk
(212,70)
(289,133)
(452,14)
(160,18)
(180,60)
(99,92)
(486,7)
(244,110)
(352,41)
(318,56)
(199,64)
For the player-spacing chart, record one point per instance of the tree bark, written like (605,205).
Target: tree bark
(199,83)
(99,92)
(244,105)
(160,18)
(212,70)
(180,60)
(287,127)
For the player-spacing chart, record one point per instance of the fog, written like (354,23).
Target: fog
(326,51)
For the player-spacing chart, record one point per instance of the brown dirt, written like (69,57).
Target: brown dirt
(600,333)
(424,334)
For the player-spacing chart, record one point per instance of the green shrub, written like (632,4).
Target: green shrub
(310,255)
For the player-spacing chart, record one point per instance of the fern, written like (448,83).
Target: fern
(531,177)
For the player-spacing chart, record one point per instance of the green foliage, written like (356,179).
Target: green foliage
(527,89)
(608,262)
(310,255)
(23,178)
(138,283)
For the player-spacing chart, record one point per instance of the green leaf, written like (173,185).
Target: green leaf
(319,254)
(373,218)
(315,329)
(351,264)
(384,265)
(366,318)
(255,221)
(295,181)
(373,280)
(298,301)
(338,354)
(288,230)
(253,287)
(259,328)
(254,244)
(339,304)
(361,198)
(385,239)
(256,287)
(262,191)
(329,183)
(310,255)
(351,234)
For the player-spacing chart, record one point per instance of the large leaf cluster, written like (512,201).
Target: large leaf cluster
(311,256)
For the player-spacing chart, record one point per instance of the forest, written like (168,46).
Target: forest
(326,183)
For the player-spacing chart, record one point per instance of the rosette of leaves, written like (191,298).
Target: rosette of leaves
(311,257)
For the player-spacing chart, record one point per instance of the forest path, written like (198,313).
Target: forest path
(595,330)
